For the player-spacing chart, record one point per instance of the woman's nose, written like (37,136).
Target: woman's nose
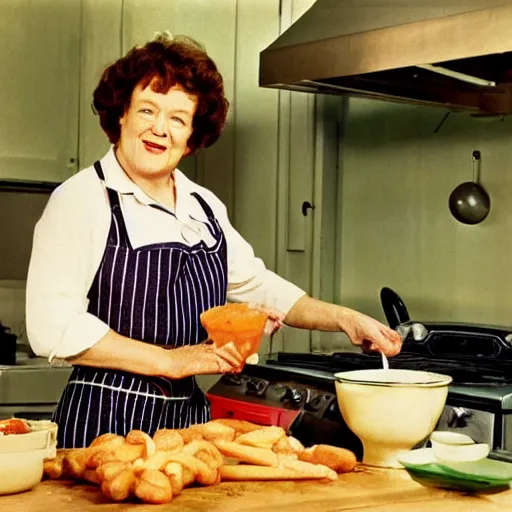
(160,125)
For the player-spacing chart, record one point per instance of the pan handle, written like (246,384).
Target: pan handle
(394,308)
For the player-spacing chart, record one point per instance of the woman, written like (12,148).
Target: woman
(129,252)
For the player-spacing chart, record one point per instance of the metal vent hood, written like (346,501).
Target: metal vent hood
(456,54)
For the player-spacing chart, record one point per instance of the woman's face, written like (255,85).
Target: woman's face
(155,131)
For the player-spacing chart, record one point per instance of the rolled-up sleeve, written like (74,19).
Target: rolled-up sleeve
(60,273)
(248,278)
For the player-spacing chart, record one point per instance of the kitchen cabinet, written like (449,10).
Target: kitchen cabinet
(39,89)
(100,46)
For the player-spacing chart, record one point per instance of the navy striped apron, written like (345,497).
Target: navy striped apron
(154,294)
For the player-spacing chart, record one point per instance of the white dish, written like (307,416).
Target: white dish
(453,438)
(20,471)
(461,452)
(417,457)
(42,437)
(455,447)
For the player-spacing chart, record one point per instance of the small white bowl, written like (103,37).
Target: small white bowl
(20,471)
(455,447)
(42,437)
(452,438)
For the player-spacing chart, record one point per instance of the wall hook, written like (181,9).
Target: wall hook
(306,205)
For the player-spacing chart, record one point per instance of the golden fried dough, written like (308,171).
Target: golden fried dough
(170,440)
(153,486)
(264,437)
(247,454)
(338,459)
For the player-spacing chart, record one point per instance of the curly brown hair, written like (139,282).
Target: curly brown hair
(171,61)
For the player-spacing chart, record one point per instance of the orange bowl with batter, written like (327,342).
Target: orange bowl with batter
(239,323)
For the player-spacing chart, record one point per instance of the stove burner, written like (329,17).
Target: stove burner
(464,371)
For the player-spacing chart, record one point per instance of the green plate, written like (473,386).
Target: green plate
(477,476)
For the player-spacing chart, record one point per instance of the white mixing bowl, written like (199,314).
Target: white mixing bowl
(20,471)
(391,411)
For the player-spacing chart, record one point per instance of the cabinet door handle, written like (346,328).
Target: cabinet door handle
(306,205)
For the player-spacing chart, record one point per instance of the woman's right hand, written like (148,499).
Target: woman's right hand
(205,359)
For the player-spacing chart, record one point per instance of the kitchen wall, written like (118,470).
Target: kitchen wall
(396,176)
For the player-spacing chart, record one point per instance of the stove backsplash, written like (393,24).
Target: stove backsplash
(396,228)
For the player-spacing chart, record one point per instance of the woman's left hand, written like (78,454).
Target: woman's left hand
(371,335)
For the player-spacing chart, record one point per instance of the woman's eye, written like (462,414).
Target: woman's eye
(178,120)
(146,111)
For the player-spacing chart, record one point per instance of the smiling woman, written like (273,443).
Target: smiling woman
(129,253)
(156,129)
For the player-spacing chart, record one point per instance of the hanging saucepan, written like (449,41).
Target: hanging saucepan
(469,202)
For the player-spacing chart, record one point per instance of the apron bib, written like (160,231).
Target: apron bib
(155,294)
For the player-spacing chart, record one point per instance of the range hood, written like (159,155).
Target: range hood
(456,54)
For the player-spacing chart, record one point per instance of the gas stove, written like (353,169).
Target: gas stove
(296,390)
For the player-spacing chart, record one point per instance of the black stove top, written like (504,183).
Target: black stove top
(464,371)
(473,355)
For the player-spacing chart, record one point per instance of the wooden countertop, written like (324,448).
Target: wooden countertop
(365,489)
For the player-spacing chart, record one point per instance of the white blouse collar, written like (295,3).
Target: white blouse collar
(117,179)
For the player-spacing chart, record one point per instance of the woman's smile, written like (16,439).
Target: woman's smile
(154,148)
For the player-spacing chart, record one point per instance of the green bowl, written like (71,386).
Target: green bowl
(485,475)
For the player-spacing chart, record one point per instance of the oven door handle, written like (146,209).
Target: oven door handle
(459,417)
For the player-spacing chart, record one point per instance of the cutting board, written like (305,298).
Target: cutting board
(365,489)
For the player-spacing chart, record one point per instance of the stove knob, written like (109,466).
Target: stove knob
(256,387)
(419,332)
(291,395)
(231,380)
(305,396)
(333,411)
(315,403)
(459,418)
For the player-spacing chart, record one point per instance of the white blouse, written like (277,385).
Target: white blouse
(70,238)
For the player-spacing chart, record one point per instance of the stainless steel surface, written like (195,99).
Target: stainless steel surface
(32,381)
(384,50)
(500,396)
(507,431)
